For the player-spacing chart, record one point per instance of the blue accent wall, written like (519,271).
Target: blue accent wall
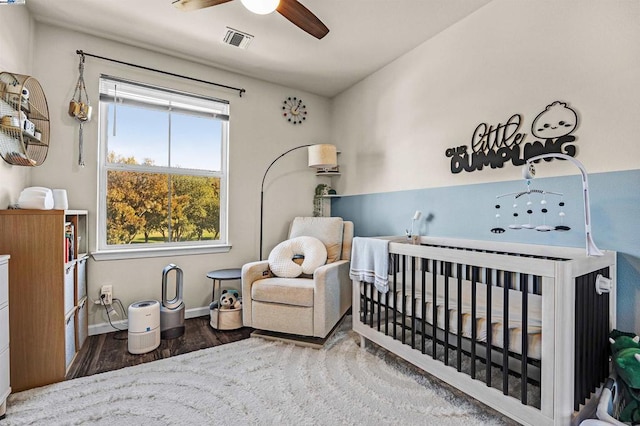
(469,211)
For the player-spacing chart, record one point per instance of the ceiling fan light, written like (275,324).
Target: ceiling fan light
(261,7)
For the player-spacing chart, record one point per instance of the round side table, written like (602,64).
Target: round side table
(223,275)
(224,319)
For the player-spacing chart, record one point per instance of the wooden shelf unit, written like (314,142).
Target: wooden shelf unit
(5,385)
(23,100)
(47,293)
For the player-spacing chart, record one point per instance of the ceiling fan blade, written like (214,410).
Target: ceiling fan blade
(186,5)
(302,17)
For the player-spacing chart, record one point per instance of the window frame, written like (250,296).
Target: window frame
(106,251)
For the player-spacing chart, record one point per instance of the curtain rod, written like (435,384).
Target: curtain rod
(83,54)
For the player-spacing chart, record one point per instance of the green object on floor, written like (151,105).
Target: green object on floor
(625,348)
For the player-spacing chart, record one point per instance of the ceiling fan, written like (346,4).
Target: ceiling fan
(293,10)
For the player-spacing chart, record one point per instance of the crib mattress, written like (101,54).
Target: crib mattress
(515,327)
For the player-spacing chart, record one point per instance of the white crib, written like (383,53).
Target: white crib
(558,320)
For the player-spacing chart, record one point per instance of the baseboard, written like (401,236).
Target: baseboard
(105,327)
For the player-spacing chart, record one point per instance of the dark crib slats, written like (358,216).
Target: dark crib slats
(595,299)
(599,335)
(474,318)
(505,333)
(434,309)
(595,356)
(413,302)
(405,308)
(379,308)
(447,274)
(603,318)
(488,324)
(579,352)
(367,301)
(378,311)
(403,333)
(386,312)
(423,327)
(395,293)
(372,289)
(524,285)
(459,340)
(590,297)
(591,336)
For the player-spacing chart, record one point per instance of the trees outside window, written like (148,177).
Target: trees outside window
(162,167)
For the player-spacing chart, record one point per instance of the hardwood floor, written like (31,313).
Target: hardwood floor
(106,352)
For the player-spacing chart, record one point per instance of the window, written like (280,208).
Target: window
(163,170)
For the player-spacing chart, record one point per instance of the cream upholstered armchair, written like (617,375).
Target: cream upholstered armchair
(306,306)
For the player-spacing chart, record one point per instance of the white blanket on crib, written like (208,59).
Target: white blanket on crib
(370,262)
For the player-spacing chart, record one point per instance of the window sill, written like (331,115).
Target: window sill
(122,254)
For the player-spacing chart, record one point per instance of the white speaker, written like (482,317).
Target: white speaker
(144,326)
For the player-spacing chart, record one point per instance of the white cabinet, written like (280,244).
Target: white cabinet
(81,270)
(82,308)
(69,338)
(5,388)
(82,322)
(69,287)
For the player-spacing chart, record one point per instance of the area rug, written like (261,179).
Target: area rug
(255,381)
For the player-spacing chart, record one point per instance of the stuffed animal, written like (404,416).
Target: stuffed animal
(623,341)
(626,361)
(228,299)
(214,305)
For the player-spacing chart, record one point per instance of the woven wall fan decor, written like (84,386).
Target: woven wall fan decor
(24,120)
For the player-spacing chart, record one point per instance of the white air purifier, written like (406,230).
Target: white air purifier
(144,326)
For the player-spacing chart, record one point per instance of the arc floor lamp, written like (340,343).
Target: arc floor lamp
(321,156)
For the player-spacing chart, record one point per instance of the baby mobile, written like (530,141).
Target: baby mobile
(530,201)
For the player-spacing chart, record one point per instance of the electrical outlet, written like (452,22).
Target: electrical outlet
(106,294)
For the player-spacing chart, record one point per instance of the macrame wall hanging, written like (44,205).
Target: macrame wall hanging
(80,108)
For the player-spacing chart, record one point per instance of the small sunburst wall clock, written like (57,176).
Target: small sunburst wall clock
(294,110)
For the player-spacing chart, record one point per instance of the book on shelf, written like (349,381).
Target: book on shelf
(69,242)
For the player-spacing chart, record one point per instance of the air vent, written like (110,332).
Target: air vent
(237,38)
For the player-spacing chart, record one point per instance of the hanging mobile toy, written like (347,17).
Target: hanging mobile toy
(562,226)
(528,172)
(544,227)
(528,225)
(530,211)
(515,224)
(497,229)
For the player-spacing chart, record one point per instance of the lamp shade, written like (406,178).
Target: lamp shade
(323,156)
(261,7)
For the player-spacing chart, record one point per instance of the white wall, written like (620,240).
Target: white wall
(258,134)
(16,40)
(510,56)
